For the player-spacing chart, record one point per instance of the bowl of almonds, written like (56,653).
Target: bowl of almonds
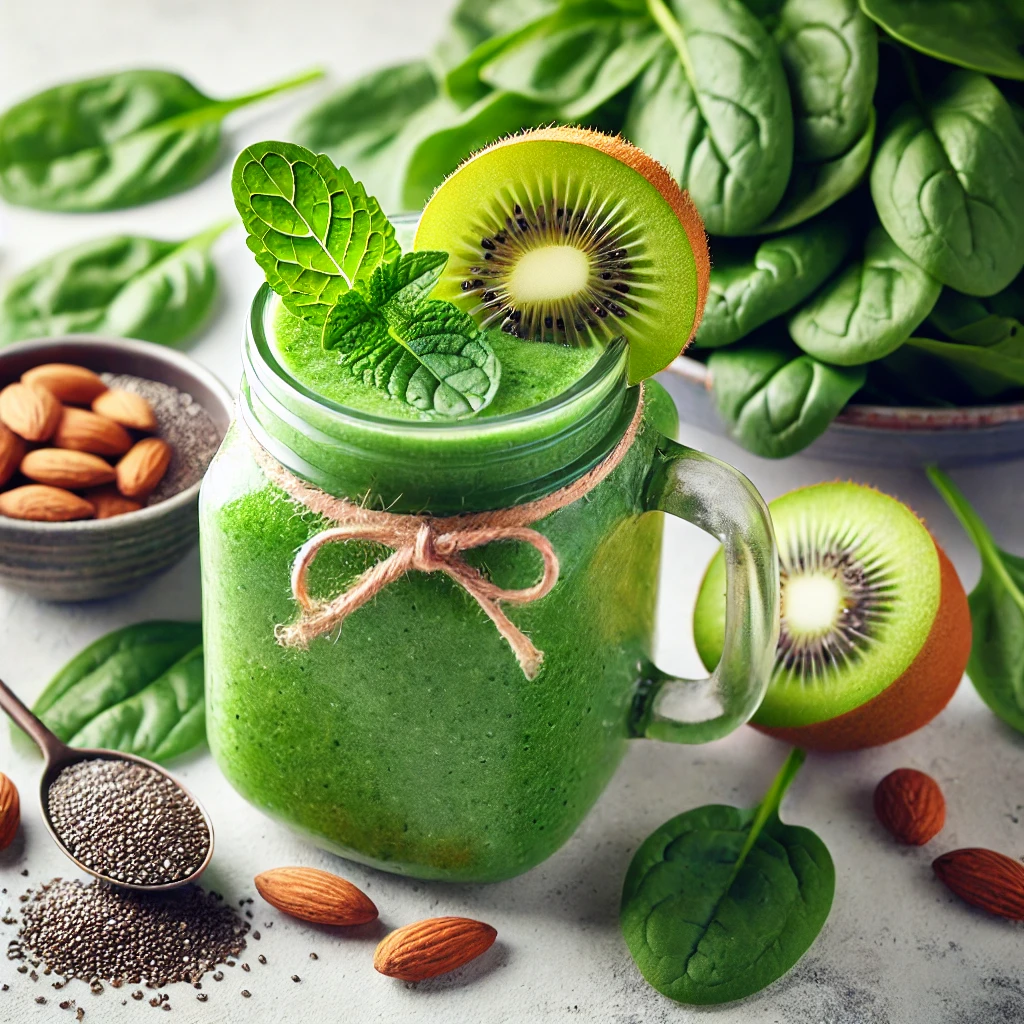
(103,445)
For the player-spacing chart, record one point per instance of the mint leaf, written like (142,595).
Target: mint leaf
(408,280)
(429,354)
(314,231)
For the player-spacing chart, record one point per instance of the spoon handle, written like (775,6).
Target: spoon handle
(49,744)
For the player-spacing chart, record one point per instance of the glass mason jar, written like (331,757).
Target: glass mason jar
(411,740)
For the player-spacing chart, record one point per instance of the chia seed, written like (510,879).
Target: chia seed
(128,822)
(183,423)
(98,931)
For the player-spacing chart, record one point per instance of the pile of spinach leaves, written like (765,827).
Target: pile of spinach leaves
(859,165)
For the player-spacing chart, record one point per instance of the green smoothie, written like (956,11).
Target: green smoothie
(409,736)
(412,740)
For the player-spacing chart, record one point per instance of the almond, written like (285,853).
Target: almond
(44,504)
(316,896)
(10,811)
(911,806)
(126,408)
(62,467)
(31,412)
(985,879)
(435,946)
(12,451)
(84,431)
(66,382)
(110,502)
(143,467)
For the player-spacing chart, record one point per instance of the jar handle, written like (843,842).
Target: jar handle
(721,501)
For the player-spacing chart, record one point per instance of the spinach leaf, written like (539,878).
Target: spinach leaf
(984,35)
(714,108)
(990,371)
(462,83)
(720,901)
(869,309)
(996,664)
(583,57)
(426,353)
(948,184)
(979,321)
(814,187)
(313,230)
(473,23)
(358,125)
(750,288)
(125,285)
(775,399)
(830,52)
(114,141)
(455,134)
(138,690)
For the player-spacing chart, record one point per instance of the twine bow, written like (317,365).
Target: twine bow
(429,544)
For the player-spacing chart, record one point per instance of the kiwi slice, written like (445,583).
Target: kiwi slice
(567,235)
(862,587)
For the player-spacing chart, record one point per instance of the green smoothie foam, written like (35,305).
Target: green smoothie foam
(531,372)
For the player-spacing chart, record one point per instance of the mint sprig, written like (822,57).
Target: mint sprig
(329,251)
(425,352)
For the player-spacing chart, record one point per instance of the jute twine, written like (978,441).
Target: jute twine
(428,544)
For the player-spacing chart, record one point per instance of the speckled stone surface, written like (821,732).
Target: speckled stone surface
(898,949)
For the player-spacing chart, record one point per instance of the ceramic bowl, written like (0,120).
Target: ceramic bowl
(877,435)
(88,559)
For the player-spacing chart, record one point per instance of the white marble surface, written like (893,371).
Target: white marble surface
(897,948)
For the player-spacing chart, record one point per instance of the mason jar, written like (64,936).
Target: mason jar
(411,738)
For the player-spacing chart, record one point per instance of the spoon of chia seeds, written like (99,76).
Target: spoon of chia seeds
(119,817)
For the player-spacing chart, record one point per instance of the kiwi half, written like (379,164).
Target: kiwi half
(567,235)
(875,629)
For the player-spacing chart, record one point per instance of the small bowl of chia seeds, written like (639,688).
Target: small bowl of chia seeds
(86,559)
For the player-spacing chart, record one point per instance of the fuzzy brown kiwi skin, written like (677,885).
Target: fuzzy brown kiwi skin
(916,697)
(625,152)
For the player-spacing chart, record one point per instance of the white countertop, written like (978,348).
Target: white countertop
(897,949)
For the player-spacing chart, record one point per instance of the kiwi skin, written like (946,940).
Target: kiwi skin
(912,700)
(625,152)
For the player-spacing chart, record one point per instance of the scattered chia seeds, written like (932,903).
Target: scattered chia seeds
(183,423)
(98,931)
(128,822)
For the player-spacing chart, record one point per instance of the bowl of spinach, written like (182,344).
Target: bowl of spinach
(859,165)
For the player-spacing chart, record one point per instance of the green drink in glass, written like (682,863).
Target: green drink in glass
(415,736)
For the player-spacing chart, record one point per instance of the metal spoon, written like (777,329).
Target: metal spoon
(59,755)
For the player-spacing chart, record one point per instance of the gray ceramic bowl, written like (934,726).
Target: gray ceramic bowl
(875,434)
(87,559)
